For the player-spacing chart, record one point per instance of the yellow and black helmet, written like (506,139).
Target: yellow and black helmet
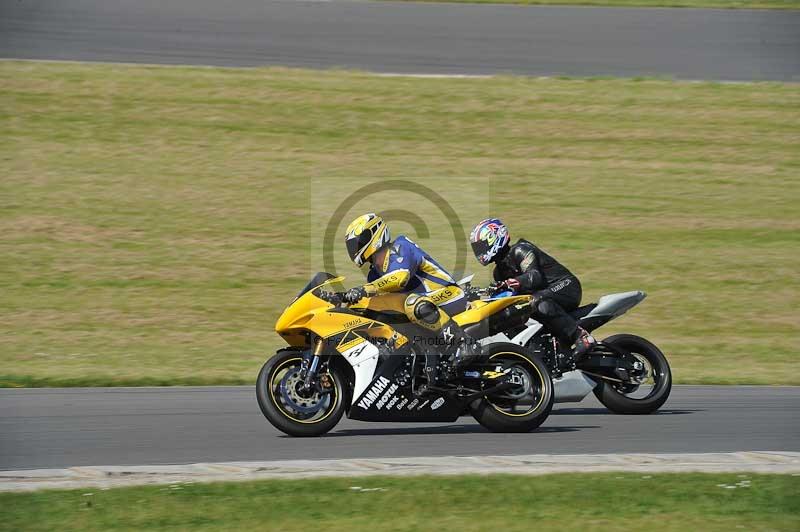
(366,235)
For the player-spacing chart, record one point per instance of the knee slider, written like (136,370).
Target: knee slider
(426,311)
(547,308)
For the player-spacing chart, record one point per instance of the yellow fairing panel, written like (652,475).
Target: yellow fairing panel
(294,321)
(379,330)
(388,303)
(299,312)
(327,324)
(482,310)
(310,313)
(333,324)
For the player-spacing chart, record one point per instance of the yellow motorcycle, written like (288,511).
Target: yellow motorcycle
(368,361)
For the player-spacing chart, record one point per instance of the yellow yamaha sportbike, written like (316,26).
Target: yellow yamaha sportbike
(368,361)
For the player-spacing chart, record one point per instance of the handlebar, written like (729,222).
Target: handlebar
(474,293)
(334,298)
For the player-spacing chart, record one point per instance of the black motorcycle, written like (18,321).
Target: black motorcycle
(627,373)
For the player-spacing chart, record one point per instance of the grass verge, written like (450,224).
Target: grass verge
(612,501)
(154,221)
(706,4)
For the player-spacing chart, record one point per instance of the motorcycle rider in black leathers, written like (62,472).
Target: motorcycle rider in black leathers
(525,269)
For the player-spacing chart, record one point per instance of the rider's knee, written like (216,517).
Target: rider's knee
(548,308)
(421,309)
(427,312)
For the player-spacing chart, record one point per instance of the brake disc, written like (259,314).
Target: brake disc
(299,400)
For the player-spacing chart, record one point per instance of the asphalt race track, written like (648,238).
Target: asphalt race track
(410,37)
(48,428)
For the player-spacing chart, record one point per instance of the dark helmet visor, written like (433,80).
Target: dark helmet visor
(480,248)
(354,245)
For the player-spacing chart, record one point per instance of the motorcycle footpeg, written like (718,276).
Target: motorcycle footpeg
(423,390)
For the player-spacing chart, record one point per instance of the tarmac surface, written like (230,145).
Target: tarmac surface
(401,37)
(56,428)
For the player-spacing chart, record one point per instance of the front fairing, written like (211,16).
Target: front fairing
(291,324)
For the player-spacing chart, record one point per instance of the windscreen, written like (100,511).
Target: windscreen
(315,281)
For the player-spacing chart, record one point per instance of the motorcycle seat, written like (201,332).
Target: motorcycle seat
(580,312)
(611,305)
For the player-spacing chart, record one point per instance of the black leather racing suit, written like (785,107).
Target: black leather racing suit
(555,288)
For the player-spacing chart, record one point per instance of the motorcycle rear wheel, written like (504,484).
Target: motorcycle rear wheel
(614,395)
(288,407)
(524,407)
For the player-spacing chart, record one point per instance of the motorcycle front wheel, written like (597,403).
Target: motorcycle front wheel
(292,409)
(523,407)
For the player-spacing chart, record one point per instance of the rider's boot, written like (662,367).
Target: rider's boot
(469,351)
(460,350)
(455,351)
(583,343)
(431,371)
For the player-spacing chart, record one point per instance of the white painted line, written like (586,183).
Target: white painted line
(391,74)
(436,76)
(536,464)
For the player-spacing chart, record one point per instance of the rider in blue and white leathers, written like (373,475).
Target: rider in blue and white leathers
(402,266)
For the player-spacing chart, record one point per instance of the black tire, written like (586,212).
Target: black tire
(273,406)
(615,400)
(500,417)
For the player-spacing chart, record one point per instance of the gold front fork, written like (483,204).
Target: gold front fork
(318,346)
(311,371)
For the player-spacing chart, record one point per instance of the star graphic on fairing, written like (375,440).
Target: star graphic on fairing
(448,335)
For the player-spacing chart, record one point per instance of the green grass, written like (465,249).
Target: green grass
(716,4)
(612,501)
(155,221)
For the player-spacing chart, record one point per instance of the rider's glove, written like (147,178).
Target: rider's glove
(330,297)
(472,293)
(354,295)
(511,283)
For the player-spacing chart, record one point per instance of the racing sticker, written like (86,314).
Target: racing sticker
(359,350)
(437,403)
(560,285)
(387,397)
(386,280)
(373,393)
(444,295)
